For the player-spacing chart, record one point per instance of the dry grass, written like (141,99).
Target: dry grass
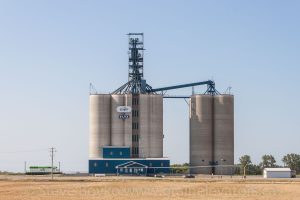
(92,188)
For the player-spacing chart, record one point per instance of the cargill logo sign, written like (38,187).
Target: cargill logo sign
(124,109)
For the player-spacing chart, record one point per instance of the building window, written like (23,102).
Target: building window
(161,164)
(135,113)
(150,164)
(121,169)
(111,153)
(135,125)
(121,153)
(135,101)
(95,164)
(106,164)
(136,138)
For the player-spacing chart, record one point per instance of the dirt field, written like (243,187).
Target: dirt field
(92,188)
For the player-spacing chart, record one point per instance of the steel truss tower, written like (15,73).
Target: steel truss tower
(136,84)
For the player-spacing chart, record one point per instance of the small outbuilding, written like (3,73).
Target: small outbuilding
(277,173)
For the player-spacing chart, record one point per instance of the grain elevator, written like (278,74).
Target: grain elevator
(126,125)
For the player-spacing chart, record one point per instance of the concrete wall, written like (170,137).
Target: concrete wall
(144,128)
(150,125)
(201,133)
(99,124)
(224,132)
(212,133)
(156,126)
(121,129)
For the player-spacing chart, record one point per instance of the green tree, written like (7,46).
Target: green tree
(267,161)
(292,161)
(180,168)
(245,161)
(254,169)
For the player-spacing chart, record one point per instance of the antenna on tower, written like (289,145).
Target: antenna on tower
(93,89)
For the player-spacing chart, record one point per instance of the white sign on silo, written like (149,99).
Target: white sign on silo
(124,109)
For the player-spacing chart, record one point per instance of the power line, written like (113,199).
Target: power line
(23,151)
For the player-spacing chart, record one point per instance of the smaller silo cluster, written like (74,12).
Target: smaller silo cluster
(212,134)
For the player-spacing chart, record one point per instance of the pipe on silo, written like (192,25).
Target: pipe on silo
(128,122)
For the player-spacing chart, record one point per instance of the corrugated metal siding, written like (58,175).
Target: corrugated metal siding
(108,166)
(117,152)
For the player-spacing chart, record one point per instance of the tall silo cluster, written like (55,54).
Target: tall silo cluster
(212,133)
(141,130)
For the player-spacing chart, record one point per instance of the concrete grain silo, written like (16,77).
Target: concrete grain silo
(100,124)
(224,133)
(151,125)
(212,134)
(156,125)
(121,130)
(201,133)
(144,128)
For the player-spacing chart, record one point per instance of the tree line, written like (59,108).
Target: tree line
(291,161)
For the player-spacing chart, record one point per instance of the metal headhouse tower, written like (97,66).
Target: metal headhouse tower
(136,84)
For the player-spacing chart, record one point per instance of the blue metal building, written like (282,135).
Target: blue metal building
(117,160)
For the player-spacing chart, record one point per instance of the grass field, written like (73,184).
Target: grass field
(92,188)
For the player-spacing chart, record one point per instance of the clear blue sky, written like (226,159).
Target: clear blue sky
(51,50)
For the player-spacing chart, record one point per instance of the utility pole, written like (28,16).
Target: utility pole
(25,167)
(245,171)
(52,150)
